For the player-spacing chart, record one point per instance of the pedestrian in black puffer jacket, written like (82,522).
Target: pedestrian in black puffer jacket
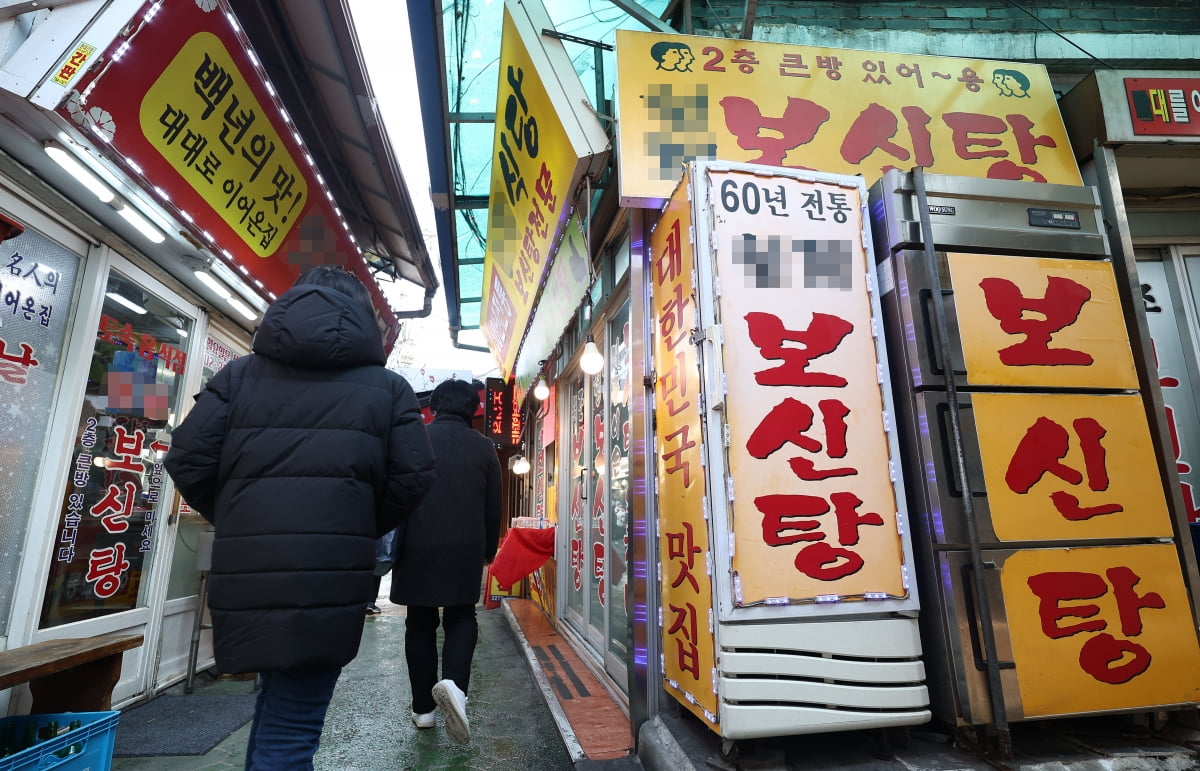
(300,454)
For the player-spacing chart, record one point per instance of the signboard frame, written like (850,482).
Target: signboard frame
(713,377)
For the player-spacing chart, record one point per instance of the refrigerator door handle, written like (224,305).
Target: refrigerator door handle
(973,621)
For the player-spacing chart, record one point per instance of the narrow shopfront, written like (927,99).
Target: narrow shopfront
(117,554)
(604,473)
(132,282)
(1137,137)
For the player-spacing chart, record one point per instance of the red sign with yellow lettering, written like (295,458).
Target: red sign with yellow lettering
(181,105)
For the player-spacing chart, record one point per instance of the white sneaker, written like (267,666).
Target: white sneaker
(428,720)
(454,705)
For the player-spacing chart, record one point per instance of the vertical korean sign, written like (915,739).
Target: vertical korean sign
(1093,628)
(833,110)
(181,105)
(814,510)
(501,418)
(684,537)
(544,143)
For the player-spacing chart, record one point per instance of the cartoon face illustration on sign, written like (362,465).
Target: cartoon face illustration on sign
(672,56)
(1011,83)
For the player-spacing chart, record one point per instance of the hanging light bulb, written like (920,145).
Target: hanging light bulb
(520,465)
(592,361)
(541,391)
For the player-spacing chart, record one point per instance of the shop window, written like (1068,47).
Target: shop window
(37,286)
(619,432)
(193,528)
(112,504)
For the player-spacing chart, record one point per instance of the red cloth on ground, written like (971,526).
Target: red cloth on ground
(523,550)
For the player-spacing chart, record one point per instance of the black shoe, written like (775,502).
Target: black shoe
(373,610)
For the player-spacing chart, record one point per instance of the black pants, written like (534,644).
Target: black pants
(420,649)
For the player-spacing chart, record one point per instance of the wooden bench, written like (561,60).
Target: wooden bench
(76,674)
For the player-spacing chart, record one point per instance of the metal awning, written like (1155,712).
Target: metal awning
(456,47)
(311,53)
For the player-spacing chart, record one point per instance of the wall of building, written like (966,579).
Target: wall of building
(1068,36)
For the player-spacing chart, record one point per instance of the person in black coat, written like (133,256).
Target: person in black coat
(300,454)
(441,555)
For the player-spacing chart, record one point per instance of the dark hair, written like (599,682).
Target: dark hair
(455,397)
(659,49)
(339,280)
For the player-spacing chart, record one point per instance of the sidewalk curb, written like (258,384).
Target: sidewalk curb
(658,750)
(570,741)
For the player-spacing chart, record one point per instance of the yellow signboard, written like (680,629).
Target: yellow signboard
(834,110)
(205,122)
(1031,321)
(542,148)
(1069,467)
(1100,628)
(684,541)
(814,508)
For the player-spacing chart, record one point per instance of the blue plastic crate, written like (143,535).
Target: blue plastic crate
(87,748)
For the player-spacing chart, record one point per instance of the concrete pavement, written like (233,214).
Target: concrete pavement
(518,724)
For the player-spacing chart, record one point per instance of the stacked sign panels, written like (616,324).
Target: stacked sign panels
(1057,577)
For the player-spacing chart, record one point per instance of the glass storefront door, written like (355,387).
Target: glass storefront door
(112,503)
(595,474)
(110,557)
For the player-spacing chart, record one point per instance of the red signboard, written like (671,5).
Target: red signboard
(182,105)
(1164,106)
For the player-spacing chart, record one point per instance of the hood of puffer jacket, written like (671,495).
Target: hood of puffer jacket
(319,328)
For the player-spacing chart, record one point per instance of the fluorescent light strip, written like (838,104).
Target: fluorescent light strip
(241,307)
(207,279)
(236,283)
(130,304)
(135,218)
(77,170)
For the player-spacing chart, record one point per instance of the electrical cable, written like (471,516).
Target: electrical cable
(1056,32)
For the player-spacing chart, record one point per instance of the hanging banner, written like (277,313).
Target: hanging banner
(828,109)
(182,105)
(546,141)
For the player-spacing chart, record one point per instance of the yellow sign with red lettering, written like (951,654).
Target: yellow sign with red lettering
(684,545)
(206,123)
(1100,628)
(828,109)
(1032,321)
(814,511)
(542,147)
(1069,467)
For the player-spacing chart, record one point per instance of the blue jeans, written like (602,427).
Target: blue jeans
(288,717)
